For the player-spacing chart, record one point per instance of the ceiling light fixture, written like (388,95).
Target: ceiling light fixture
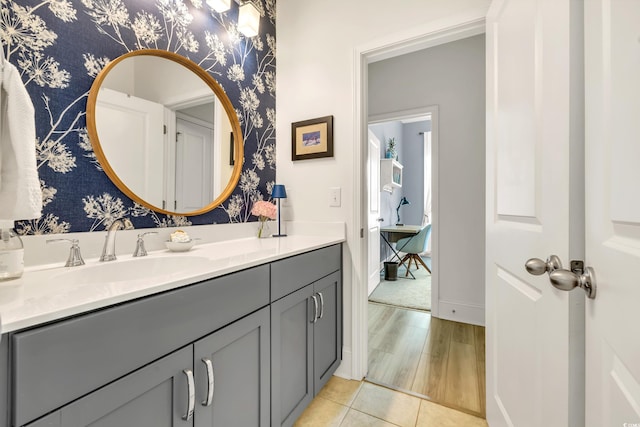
(248,15)
(249,19)
(219,5)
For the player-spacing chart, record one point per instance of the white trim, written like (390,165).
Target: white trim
(419,112)
(461,312)
(435,212)
(359,272)
(344,370)
(454,27)
(441,31)
(188,101)
(194,120)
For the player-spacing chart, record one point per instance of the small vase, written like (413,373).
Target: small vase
(264,230)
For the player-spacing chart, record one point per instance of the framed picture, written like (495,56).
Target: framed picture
(312,139)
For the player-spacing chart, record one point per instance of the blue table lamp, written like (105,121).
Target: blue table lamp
(279,192)
(403,202)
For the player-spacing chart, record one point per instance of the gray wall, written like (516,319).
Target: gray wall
(452,77)
(413,171)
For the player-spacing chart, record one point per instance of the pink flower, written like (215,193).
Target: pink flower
(264,209)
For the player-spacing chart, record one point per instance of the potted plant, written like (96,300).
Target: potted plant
(391,149)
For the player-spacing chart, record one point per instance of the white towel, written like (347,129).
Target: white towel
(20,192)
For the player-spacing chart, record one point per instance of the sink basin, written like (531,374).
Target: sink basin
(132,269)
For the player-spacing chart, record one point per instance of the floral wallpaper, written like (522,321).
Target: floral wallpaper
(59,46)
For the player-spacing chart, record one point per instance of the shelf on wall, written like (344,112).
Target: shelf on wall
(390,175)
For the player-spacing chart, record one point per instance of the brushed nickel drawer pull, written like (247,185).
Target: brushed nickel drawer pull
(210,382)
(192,394)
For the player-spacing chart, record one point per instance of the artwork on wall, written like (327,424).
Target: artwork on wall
(312,139)
(58,69)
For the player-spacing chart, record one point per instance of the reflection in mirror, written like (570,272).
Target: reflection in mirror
(161,127)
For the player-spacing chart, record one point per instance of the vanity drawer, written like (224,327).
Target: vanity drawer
(58,363)
(290,274)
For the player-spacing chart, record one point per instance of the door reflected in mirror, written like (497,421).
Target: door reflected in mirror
(160,127)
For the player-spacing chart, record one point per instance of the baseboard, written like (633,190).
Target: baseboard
(459,312)
(344,370)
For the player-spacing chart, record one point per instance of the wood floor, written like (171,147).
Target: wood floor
(439,359)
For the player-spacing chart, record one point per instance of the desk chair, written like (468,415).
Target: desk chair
(413,246)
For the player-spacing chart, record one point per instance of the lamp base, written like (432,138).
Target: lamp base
(279,235)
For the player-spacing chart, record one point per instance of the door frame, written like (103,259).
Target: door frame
(432,112)
(455,27)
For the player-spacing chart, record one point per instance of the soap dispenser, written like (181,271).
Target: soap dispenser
(11,252)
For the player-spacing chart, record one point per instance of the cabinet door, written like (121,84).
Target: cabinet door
(291,356)
(327,333)
(154,396)
(240,374)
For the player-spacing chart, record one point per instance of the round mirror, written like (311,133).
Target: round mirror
(165,132)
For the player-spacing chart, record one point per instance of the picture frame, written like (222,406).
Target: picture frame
(312,139)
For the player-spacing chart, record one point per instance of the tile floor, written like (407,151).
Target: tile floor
(345,403)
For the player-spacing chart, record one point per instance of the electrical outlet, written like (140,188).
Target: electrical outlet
(334,196)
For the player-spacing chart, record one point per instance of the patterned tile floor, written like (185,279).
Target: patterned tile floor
(346,403)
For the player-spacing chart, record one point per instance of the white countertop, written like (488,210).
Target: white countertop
(43,294)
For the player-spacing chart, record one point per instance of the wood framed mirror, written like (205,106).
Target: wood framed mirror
(160,127)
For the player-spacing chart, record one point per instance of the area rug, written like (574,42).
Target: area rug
(408,293)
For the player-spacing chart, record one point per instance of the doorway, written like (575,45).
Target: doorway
(404,198)
(410,350)
(361,309)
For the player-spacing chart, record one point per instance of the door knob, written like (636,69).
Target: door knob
(536,266)
(566,280)
(380,219)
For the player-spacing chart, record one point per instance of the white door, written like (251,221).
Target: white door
(194,182)
(134,145)
(612,59)
(531,338)
(373,203)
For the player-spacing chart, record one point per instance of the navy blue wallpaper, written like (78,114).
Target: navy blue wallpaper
(59,46)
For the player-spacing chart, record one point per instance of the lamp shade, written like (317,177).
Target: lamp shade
(279,192)
(219,5)
(249,19)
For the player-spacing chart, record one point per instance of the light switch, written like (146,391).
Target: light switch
(334,196)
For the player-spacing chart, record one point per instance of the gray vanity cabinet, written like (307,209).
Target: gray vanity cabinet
(238,359)
(65,362)
(306,330)
(291,356)
(258,345)
(327,331)
(158,394)
(154,396)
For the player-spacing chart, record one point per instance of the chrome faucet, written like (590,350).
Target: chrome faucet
(75,257)
(109,249)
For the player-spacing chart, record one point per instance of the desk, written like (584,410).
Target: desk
(395,233)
